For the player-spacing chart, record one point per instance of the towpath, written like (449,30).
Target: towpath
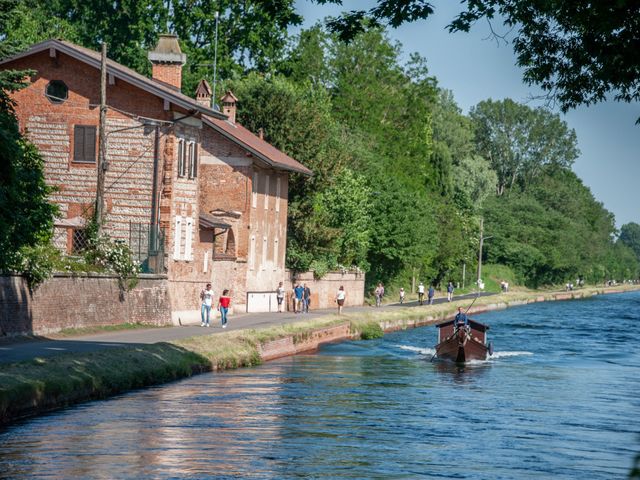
(17,350)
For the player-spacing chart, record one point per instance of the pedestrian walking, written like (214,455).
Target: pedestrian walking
(223,307)
(379,292)
(206,296)
(306,298)
(340,298)
(297,298)
(401,295)
(450,291)
(421,293)
(430,294)
(280,296)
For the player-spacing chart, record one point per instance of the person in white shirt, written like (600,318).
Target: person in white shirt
(206,296)
(401,295)
(421,293)
(280,296)
(340,297)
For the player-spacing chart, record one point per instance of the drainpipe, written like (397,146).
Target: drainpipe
(154,195)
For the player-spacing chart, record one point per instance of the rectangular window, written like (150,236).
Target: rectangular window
(181,158)
(84,143)
(193,160)
(79,240)
(278,194)
(205,264)
(177,247)
(188,239)
(254,189)
(266,192)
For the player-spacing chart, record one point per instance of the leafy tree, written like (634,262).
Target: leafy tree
(26,217)
(347,203)
(328,221)
(579,52)
(252,34)
(451,127)
(474,179)
(403,229)
(630,236)
(519,141)
(554,232)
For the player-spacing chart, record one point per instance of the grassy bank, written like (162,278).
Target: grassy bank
(43,384)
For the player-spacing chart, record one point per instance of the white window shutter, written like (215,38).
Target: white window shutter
(177,247)
(188,239)
(254,190)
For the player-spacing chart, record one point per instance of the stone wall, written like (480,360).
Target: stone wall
(323,291)
(66,301)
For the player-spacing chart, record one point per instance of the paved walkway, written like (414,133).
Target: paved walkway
(20,349)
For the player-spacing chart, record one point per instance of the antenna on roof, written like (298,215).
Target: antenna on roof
(215,64)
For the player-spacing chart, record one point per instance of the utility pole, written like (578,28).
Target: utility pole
(215,65)
(102,147)
(464,272)
(480,251)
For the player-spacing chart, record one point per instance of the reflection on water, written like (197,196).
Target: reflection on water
(555,401)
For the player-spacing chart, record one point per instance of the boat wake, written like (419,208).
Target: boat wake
(429,352)
(499,355)
(421,351)
(509,354)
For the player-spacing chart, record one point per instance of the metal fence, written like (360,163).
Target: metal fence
(147,245)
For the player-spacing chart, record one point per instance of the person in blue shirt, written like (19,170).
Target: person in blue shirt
(299,292)
(450,291)
(430,294)
(461,319)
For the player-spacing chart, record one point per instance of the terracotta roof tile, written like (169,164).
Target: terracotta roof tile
(257,146)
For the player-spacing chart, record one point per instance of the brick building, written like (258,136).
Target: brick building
(194,194)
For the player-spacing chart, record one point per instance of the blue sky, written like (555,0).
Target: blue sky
(475,68)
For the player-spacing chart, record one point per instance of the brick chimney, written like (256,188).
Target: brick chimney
(203,93)
(167,60)
(229,105)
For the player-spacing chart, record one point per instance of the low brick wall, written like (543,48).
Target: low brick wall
(323,291)
(66,301)
(286,346)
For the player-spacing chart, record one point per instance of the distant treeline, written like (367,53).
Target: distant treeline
(402,177)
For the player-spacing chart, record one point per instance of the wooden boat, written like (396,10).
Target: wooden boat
(463,344)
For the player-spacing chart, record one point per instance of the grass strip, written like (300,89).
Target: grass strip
(76,332)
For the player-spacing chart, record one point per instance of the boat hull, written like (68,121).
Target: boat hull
(458,351)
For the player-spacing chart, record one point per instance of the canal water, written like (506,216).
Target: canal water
(559,399)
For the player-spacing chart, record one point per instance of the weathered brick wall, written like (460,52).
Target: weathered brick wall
(268,230)
(226,185)
(130,153)
(323,291)
(80,301)
(286,346)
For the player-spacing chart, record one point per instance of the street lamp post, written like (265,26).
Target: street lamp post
(482,239)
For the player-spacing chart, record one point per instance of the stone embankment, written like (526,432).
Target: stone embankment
(32,387)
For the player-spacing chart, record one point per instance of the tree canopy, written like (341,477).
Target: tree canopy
(578,52)
(401,177)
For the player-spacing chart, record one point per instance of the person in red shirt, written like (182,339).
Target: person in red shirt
(223,306)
